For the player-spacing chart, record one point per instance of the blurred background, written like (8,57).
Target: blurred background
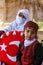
(9,9)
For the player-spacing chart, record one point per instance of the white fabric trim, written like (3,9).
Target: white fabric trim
(28,42)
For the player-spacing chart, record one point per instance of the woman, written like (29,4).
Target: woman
(18,24)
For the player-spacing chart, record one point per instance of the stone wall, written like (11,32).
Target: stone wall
(9,8)
(2,10)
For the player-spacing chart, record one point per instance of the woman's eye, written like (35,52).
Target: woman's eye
(21,15)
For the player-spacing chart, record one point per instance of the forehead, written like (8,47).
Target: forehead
(30,28)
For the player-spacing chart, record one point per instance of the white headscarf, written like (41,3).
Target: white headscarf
(20,20)
(18,23)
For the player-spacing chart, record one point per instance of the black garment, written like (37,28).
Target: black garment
(19,54)
(42,48)
(1,32)
(38,55)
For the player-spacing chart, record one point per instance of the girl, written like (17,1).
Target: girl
(30,50)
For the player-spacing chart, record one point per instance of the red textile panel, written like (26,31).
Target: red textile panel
(9,44)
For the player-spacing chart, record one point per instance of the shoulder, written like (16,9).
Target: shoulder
(38,46)
(14,22)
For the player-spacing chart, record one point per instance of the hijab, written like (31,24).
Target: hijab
(19,20)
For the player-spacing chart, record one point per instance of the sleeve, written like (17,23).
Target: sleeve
(10,27)
(38,55)
(19,54)
(1,32)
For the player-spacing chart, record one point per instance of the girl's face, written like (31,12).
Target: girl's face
(29,33)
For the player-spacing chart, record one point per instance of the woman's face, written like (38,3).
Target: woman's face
(29,33)
(22,16)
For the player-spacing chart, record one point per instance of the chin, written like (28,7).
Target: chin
(30,39)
